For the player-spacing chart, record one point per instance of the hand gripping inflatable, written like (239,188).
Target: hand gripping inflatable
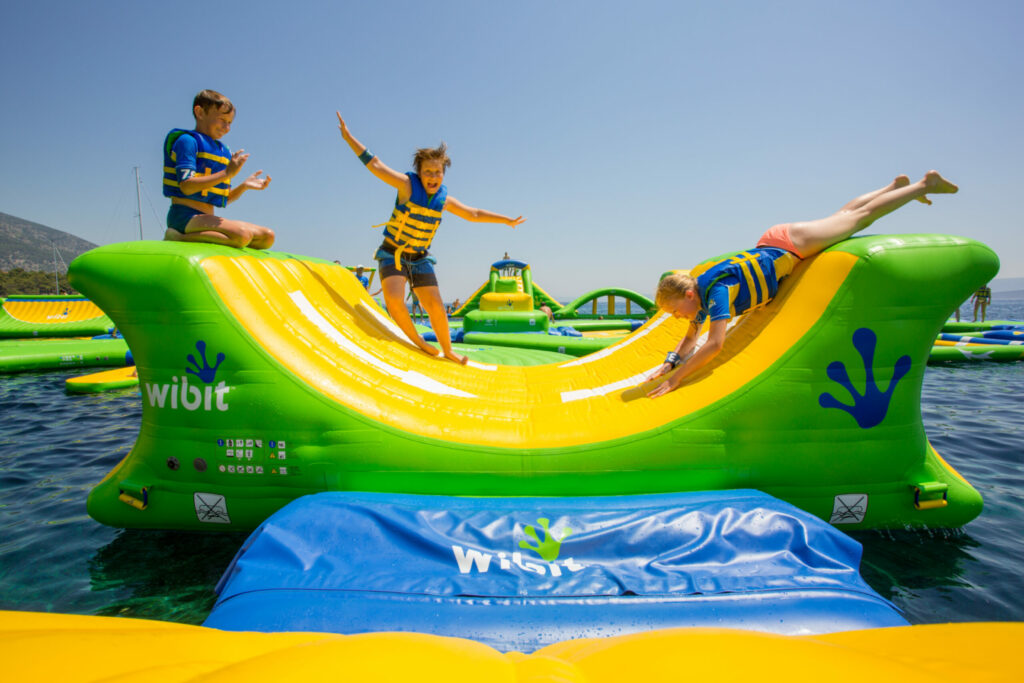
(265,376)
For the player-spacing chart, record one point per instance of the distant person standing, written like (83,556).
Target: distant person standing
(360,275)
(417,312)
(982,298)
(198,169)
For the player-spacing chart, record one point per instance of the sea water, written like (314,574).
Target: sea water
(54,447)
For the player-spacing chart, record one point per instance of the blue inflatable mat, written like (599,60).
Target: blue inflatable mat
(521,573)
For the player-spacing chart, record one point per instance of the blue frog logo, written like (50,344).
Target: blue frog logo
(204,372)
(871,407)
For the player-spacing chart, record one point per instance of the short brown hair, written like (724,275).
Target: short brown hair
(674,286)
(439,153)
(211,98)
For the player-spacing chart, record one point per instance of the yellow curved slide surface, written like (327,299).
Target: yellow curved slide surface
(36,312)
(319,323)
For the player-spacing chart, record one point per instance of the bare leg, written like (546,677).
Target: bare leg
(898,182)
(394,299)
(812,237)
(262,238)
(430,300)
(217,230)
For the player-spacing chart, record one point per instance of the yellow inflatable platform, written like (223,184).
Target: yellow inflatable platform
(71,648)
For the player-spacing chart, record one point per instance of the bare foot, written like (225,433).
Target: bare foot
(903,180)
(936,184)
(429,350)
(452,356)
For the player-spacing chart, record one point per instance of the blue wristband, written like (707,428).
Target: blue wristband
(366,157)
(673,359)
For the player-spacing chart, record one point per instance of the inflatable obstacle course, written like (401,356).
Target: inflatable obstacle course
(266,376)
(63,315)
(508,287)
(997,340)
(508,302)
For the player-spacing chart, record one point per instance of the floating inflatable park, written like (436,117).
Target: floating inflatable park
(508,311)
(58,315)
(267,376)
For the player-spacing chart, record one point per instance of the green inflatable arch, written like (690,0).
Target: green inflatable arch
(571,310)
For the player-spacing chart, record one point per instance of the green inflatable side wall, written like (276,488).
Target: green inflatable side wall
(859,458)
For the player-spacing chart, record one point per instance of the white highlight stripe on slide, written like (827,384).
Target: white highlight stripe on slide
(410,377)
(394,329)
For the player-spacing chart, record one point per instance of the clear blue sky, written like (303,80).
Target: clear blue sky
(636,137)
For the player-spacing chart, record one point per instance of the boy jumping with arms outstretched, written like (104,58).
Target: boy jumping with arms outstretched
(408,233)
(723,290)
(198,170)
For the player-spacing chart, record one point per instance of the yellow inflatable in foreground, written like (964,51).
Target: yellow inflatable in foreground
(70,648)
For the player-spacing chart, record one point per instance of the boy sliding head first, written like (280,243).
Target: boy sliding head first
(724,289)
(408,234)
(198,170)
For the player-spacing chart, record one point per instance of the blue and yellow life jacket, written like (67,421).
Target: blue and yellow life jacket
(412,225)
(751,279)
(212,156)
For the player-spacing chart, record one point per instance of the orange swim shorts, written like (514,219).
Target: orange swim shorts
(778,236)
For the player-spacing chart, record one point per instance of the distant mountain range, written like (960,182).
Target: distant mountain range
(29,246)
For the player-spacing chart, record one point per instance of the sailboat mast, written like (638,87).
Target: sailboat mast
(138,200)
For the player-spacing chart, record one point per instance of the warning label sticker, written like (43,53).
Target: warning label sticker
(211,508)
(849,508)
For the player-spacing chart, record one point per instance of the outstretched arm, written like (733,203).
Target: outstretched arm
(684,347)
(397,180)
(710,349)
(470,213)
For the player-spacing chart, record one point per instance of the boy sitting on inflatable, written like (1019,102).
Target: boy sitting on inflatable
(751,278)
(198,169)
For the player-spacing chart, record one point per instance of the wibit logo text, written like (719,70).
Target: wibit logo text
(548,548)
(194,396)
(471,559)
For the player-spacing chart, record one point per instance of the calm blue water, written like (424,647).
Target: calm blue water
(53,557)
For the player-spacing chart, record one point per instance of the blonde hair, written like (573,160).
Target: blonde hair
(673,287)
(439,153)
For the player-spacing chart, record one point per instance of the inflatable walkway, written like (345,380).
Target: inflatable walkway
(72,649)
(65,315)
(266,376)
(21,355)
